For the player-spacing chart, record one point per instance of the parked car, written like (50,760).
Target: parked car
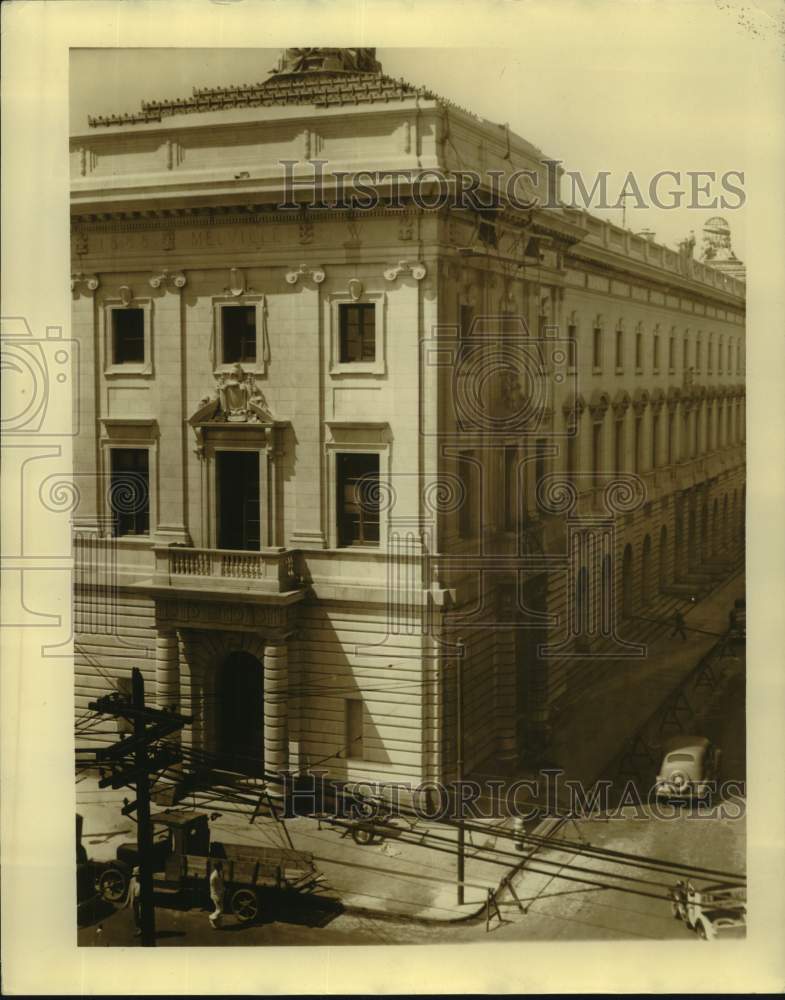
(715,911)
(689,769)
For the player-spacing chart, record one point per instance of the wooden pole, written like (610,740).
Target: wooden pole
(459,779)
(144,829)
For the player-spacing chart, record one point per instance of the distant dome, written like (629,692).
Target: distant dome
(717,224)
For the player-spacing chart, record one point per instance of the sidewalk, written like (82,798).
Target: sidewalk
(400,879)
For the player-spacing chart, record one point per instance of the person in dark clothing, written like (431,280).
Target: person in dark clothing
(678,626)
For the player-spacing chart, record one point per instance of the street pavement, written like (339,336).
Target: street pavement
(370,893)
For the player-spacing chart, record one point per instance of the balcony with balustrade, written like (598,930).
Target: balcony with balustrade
(271,571)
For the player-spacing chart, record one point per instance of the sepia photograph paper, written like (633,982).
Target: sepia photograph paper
(377,540)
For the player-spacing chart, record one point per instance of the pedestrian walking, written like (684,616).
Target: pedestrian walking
(133,899)
(518,832)
(217,891)
(678,626)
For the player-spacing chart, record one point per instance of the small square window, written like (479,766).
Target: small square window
(358,499)
(238,335)
(127,336)
(358,332)
(129,491)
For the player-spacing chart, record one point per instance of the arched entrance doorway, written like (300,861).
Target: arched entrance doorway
(646,581)
(626,582)
(663,557)
(239,692)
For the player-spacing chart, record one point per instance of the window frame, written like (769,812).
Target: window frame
(143,450)
(340,543)
(219,303)
(139,368)
(140,433)
(377,367)
(597,345)
(362,308)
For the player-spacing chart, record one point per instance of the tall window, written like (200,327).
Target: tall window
(671,428)
(465,318)
(671,353)
(572,345)
(511,501)
(656,359)
(130,491)
(719,357)
(238,335)
(698,355)
(596,357)
(710,359)
(358,499)
(619,348)
(572,449)
(637,445)
(685,354)
(738,359)
(655,437)
(596,447)
(638,351)
(618,446)
(730,357)
(354,727)
(466,519)
(127,336)
(358,332)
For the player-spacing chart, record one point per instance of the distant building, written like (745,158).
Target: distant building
(327,456)
(717,250)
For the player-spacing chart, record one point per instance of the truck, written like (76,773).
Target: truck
(713,912)
(184,855)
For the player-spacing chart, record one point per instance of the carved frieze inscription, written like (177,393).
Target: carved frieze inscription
(184,613)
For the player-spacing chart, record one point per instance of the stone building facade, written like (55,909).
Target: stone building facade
(333,464)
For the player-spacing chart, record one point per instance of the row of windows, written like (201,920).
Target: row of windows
(237,334)
(357,497)
(727,356)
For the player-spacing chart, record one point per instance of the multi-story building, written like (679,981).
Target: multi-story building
(336,462)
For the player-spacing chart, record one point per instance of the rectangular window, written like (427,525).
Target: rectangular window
(672,354)
(637,445)
(572,451)
(358,499)
(619,349)
(698,356)
(465,320)
(354,717)
(711,357)
(655,436)
(638,351)
(596,357)
(730,359)
(596,448)
(238,335)
(656,363)
(618,446)
(685,355)
(237,494)
(358,332)
(572,346)
(466,519)
(719,357)
(511,501)
(540,471)
(130,491)
(127,336)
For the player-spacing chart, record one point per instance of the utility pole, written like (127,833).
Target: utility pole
(131,765)
(144,828)
(459,775)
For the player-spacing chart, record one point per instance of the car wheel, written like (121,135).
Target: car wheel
(363,835)
(245,905)
(113,884)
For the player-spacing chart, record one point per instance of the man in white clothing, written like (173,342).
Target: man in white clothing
(217,890)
